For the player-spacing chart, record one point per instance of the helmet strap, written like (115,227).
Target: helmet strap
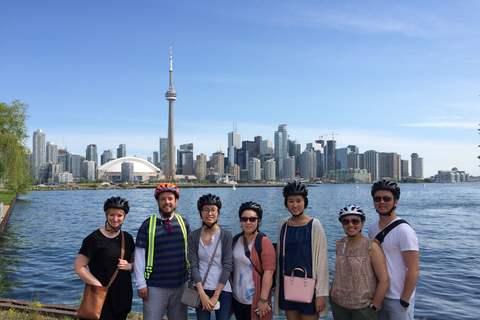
(389,213)
(112,230)
(297,216)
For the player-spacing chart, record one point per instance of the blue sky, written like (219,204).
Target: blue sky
(392,76)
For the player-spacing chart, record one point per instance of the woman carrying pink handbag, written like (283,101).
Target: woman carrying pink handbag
(301,253)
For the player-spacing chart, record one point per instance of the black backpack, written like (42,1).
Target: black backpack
(258,248)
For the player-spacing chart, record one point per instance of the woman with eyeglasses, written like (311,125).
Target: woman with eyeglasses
(361,278)
(253,266)
(211,262)
(305,246)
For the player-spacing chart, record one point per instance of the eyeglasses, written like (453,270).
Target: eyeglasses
(346,222)
(251,219)
(385,199)
(210,211)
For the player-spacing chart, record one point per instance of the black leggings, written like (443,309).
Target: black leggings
(242,311)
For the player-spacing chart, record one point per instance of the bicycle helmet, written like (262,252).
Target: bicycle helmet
(118,203)
(351,209)
(167,187)
(209,199)
(387,185)
(295,188)
(250,205)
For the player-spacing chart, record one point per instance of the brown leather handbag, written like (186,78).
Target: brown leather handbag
(94,296)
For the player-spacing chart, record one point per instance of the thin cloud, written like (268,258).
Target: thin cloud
(446,124)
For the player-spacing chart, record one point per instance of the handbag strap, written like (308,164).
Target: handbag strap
(211,261)
(283,249)
(121,257)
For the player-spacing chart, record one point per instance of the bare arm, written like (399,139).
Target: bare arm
(80,268)
(380,268)
(411,259)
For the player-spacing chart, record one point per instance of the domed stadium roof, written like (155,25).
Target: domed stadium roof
(139,165)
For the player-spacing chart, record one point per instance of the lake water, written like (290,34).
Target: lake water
(45,231)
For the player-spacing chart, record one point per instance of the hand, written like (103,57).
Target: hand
(143,293)
(206,302)
(262,308)
(124,265)
(320,304)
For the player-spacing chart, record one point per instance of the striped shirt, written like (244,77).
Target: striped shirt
(169,264)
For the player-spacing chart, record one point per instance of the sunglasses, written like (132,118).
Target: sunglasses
(385,199)
(251,219)
(346,222)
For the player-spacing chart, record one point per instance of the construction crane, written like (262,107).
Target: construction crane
(326,134)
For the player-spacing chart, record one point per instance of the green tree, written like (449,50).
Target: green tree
(13,150)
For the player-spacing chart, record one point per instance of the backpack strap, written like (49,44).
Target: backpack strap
(383,233)
(258,247)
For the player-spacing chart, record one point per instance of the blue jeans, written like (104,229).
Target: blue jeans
(393,310)
(223,313)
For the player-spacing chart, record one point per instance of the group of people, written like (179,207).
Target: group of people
(375,276)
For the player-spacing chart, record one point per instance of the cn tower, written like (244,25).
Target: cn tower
(171,96)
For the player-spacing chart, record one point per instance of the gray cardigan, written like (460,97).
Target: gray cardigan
(227,256)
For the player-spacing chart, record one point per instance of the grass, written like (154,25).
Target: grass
(6,198)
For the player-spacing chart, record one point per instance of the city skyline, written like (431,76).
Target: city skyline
(210,157)
(385,76)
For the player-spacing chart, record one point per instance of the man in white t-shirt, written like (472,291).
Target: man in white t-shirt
(400,246)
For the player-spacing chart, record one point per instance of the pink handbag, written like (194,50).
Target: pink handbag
(297,289)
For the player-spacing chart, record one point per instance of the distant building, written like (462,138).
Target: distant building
(389,165)
(371,163)
(404,168)
(234,144)
(52,152)
(234,172)
(266,147)
(77,170)
(201,167)
(127,171)
(349,175)
(39,154)
(106,156)
(289,168)
(254,170)
(156,159)
(48,171)
(88,170)
(142,170)
(417,166)
(308,168)
(218,163)
(91,154)
(65,160)
(269,170)
(451,176)
(121,151)
(185,159)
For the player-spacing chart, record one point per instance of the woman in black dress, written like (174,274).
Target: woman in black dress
(101,251)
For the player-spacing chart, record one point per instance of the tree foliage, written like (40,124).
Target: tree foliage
(13,150)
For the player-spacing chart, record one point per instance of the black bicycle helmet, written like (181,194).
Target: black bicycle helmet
(116,202)
(351,209)
(387,185)
(295,188)
(209,199)
(250,205)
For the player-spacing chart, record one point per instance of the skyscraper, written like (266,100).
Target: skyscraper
(371,162)
(52,152)
(234,144)
(201,167)
(121,151)
(39,152)
(278,140)
(106,156)
(91,154)
(171,96)
(417,166)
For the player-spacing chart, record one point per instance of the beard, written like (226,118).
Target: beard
(166,212)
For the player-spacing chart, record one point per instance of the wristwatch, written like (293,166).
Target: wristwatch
(404,303)
(263,300)
(374,308)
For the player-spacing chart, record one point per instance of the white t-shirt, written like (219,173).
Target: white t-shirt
(401,238)
(243,285)
(205,255)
